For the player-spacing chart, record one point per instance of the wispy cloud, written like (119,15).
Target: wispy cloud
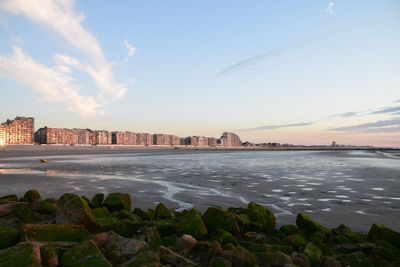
(272,127)
(51,84)
(61,17)
(386,110)
(330,8)
(369,125)
(131,50)
(346,114)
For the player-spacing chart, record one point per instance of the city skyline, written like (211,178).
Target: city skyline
(285,71)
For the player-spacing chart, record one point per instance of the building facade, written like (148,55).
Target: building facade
(230,139)
(17,132)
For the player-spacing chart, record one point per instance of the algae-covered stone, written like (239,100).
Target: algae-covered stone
(21,255)
(32,195)
(356,259)
(85,254)
(253,236)
(192,224)
(282,248)
(118,201)
(118,249)
(295,240)
(385,251)
(141,213)
(9,236)
(101,213)
(300,259)
(163,212)
(289,229)
(241,257)
(166,227)
(6,209)
(143,259)
(43,207)
(313,252)
(215,218)
(55,232)
(49,257)
(173,258)
(124,227)
(72,209)
(243,221)
(223,237)
(273,259)
(152,236)
(306,223)
(8,198)
(381,232)
(260,218)
(332,262)
(26,214)
(185,243)
(257,247)
(97,200)
(341,229)
(219,262)
(347,248)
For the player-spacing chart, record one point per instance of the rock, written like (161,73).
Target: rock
(85,254)
(32,195)
(332,262)
(341,229)
(142,259)
(223,237)
(9,236)
(294,241)
(173,258)
(25,214)
(43,207)
(118,249)
(253,236)
(118,201)
(385,251)
(243,221)
(8,198)
(141,213)
(306,223)
(152,236)
(55,232)
(258,247)
(192,224)
(21,255)
(354,259)
(313,252)
(215,218)
(166,227)
(381,232)
(162,212)
(124,227)
(102,212)
(72,209)
(366,248)
(49,257)
(273,259)
(151,214)
(300,260)
(97,200)
(288,229)
(282,248)
(241,257)
(185,243)
(260,218)
(6,209)
(219,262)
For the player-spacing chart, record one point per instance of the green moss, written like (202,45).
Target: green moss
(215,218)
(308,224)
(9,236)
(341,229)
(260,218)
(192,224)
(356,259)
(168,241)
(295,240)
(313,252)
(243,222)
(282,248)
(258,248)
(146,257)
(386,251)
(101,213)
(46,208)
(25,214)
(151,214)
(381,232)
(32,195)
(72,209)
(124,227)
(242,257)
(223,237)
(85,254)
(141,213)
(8,198)
(219,262)
(166,227)
(97,200)
(152,236)
(288,229)
(162,212)
(274,259)
(118,201)
(55,232)
(21,255)
(49,256)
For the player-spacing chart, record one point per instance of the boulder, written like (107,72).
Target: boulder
(313,252)
(241,257)
(222,237)
(385,251)
(21,255)
(261,219)
(215,218)
(192,224)
(253,236)
(85,254)
(49,256)
(300,259)
(55,232)
(273,259)
(185,243)
(381,232)
(124,227)
(306,223)
(294,241)
(219,262)
(152,236)
(118,201)
(141,213)
(97,200)
(8,198)
(6,209)
(143,259)
(166,227)
(102,212)
(289,229)
(162,212)
(340,230)
(118,249)
(31,195)
(9,236)
(26,214)
(173,258)
(72,209)
(43,207)
(332,262)
(354,259)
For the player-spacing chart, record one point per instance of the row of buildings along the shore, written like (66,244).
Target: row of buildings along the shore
(21,131)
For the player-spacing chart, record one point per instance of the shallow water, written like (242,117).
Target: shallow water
(360,184)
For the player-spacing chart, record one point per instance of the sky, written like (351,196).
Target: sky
(288,71)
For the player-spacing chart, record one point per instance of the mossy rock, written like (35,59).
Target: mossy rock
(341,229)
(340,239)
(331,262)
(381,232)
(152,236)
(49,256)
(97,200)
(87,201)
(141,213)
(289,229)
(21,255)
(169,241)
(242,257)
(237,211)
(118,201)
(273,259)
(85,254)
(144,258)
(162,212)
(32,195)
(223,237)
(26,214)
(8,198)
(9,236)
(257,247)
(192,224)
(260,218)
(43,207)
(325,235)
(55,232)
(294,241)
(166,227)
(102,212)
(356,259)
(356,237)
(124,227)
(282,248)
(313,252)
(219,262)
(243,222)
(151,214)
(308,224)
(72,209)
(215,218)
(366,248)
(385,251)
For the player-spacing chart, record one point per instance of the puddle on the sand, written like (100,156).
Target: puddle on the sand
(19,171)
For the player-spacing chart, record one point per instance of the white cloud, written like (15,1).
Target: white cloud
(329,8)
(61,17)
(131,50)
(51,84)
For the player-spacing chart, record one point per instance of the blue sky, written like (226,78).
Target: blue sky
(303,72)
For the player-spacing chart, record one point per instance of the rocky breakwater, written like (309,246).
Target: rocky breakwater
(104,231)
